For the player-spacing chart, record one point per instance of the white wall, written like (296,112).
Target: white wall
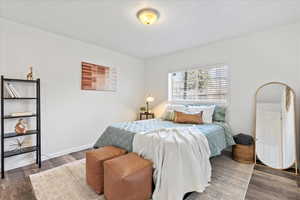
(71,118)
(253,59)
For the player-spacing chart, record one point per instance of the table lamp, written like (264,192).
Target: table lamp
(148,100)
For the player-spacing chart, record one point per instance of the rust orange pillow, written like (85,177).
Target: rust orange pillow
(181,117)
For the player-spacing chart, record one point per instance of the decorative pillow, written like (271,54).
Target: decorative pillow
(169,112)
(208,111)
(181,117)
(168,115)
(219,114)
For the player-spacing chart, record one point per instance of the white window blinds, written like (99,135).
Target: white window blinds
(201,84)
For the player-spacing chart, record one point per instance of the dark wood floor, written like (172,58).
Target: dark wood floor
(265,184)
(270,184)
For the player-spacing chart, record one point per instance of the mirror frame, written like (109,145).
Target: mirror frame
(295,163)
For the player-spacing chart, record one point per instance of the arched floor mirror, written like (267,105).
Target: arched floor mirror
(275,132)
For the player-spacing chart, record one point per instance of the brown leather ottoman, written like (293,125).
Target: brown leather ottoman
(128,177)
(94,165)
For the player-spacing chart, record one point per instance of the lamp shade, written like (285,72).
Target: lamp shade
(148,15)
(150,99)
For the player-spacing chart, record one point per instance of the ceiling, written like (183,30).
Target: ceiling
(183,23)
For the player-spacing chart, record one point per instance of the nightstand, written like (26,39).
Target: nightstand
(147,115)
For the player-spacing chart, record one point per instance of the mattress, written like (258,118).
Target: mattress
(218,134)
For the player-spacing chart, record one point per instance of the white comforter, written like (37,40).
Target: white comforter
(181,160)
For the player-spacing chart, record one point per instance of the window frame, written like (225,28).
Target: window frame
(226,101)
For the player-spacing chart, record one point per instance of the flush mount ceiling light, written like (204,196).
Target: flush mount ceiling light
(148,15)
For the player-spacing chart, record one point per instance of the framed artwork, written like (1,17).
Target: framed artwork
(98,77)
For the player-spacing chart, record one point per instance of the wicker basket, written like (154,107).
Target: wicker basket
(243,153)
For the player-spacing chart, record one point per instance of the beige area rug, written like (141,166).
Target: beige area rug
(230,181)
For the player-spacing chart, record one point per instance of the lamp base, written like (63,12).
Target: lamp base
(147,107)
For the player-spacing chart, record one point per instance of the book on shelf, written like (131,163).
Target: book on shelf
(11,90)
(16,93)
(18,114)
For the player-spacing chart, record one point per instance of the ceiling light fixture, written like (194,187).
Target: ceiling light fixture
(148,15)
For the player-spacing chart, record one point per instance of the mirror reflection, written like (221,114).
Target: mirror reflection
(275,126)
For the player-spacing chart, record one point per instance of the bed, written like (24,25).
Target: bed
(175,147)
(218,134)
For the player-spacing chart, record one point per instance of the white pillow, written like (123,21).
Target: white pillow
(176,107)
(208,112)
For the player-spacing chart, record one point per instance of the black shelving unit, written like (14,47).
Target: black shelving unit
(37,132)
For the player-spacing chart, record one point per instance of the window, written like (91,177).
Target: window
(200,84)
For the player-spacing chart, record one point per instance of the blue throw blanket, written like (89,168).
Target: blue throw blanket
(218,134)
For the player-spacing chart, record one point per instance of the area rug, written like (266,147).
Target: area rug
(230,180)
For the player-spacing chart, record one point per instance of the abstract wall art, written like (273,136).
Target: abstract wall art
(98,77)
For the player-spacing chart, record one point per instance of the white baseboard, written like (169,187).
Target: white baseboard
(67,151)
(31,158)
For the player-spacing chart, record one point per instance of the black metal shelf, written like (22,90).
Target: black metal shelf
(37,115)
(14,134)
(21,116)
(19,98)
(19,151)
(19,80)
